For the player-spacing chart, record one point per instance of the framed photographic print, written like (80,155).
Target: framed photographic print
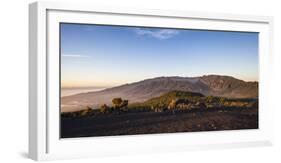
(110,81)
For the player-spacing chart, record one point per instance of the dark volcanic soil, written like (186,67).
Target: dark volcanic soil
(163,122)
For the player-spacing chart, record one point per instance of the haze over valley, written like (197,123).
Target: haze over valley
(210,85)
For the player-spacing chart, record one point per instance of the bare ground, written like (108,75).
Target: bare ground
(163,122)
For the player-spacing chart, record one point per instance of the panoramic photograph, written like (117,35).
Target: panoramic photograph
(125,80)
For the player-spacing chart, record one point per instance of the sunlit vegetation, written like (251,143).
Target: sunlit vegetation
(168,102)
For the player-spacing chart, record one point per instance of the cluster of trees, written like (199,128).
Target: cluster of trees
(118,105)
(171,101)
(181,100)
(185,104)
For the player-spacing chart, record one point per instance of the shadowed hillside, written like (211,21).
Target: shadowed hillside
(215,85)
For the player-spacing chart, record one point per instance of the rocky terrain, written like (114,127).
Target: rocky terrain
(174,111)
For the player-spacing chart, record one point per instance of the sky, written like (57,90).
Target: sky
(107,56)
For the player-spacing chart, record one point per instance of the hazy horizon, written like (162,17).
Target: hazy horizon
(107,56)
(104,87)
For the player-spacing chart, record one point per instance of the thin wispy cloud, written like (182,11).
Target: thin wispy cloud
(161,34)
(75,56)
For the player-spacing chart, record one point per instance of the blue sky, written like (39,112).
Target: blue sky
(106,56)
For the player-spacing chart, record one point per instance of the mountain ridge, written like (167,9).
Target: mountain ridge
(208,85)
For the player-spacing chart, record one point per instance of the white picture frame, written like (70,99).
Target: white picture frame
(44,141)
